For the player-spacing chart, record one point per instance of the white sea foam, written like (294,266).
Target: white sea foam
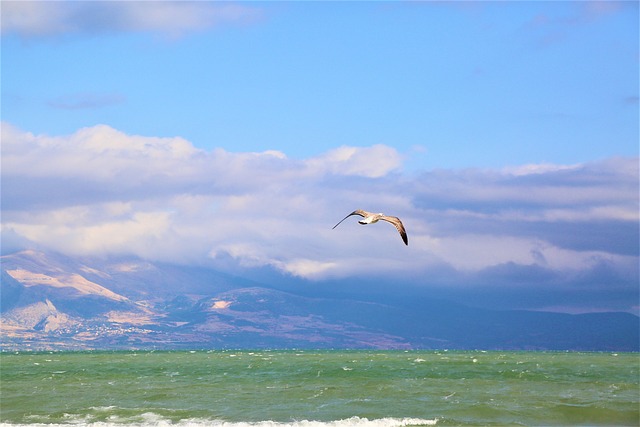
(153,420)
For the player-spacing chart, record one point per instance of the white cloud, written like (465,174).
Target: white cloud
(83,230)
(91,189)
(97,153)
(478,251)
(306,268)
(540,168)
(371,162)
(171,18)
(33,17)
(101,191)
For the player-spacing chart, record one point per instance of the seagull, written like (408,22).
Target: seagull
(371,218)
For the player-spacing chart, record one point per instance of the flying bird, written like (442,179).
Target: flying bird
(370,218)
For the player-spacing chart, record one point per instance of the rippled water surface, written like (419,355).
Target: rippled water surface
(319,388)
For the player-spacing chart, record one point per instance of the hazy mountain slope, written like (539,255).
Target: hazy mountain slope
(48,301)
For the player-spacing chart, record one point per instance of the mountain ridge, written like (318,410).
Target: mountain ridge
(53,302)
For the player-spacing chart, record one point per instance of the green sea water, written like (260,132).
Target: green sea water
(319,388)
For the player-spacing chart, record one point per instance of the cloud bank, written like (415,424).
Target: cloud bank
(541,228)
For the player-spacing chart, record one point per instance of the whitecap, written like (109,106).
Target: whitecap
(150,419)
(102,408)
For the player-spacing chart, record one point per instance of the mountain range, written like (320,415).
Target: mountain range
(53,302)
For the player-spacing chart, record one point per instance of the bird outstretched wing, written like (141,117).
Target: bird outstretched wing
(399,226)
(356,212)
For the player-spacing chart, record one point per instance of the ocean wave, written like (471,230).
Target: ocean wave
(153,420)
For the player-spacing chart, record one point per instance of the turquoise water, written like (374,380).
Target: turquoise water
(319,388)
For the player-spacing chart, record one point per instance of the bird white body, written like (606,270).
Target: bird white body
(372,219)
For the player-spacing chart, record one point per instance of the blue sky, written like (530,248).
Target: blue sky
(448,85)
(505,134)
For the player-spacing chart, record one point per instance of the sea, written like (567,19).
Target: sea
(329,388)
